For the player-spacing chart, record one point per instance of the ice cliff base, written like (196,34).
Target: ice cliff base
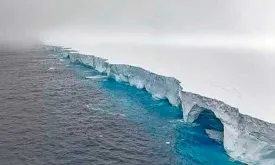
(245,138)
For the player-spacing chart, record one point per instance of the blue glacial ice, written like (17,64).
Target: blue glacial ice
(244,138)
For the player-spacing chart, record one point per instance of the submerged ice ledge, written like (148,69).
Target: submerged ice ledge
(245,138)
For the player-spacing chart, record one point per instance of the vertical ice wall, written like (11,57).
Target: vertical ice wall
(247,139)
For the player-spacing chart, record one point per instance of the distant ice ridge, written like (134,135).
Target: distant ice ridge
(245,138)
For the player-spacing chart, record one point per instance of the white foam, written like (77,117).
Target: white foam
(236,77)
(95,77)
(239,130)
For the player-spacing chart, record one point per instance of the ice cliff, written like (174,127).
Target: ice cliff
(245,138)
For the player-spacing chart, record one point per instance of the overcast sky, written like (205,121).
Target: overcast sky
(141,31)
(222,18)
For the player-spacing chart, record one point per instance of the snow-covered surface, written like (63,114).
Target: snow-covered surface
(239,77)
(245,138)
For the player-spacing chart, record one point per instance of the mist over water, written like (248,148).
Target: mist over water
(55,112)
(245,19)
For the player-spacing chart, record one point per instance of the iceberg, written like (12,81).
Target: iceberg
(215,135)
(244,138)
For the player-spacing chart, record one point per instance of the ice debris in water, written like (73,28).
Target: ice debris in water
(245,138)
(95,77)
(51,68)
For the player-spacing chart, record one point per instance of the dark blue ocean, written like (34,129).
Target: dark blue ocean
(55,112)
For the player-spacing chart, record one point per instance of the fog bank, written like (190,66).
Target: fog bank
(220,49)
(197,19)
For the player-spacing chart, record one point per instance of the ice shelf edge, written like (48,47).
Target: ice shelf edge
(246,138)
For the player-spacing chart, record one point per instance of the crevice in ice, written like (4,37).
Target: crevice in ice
(245,138)
(210,123)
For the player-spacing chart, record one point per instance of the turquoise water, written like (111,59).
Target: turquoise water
(54,112)
(185,143)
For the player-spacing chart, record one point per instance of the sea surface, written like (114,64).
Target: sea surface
(56,112)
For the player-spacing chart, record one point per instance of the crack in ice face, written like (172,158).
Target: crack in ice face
(245,138)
